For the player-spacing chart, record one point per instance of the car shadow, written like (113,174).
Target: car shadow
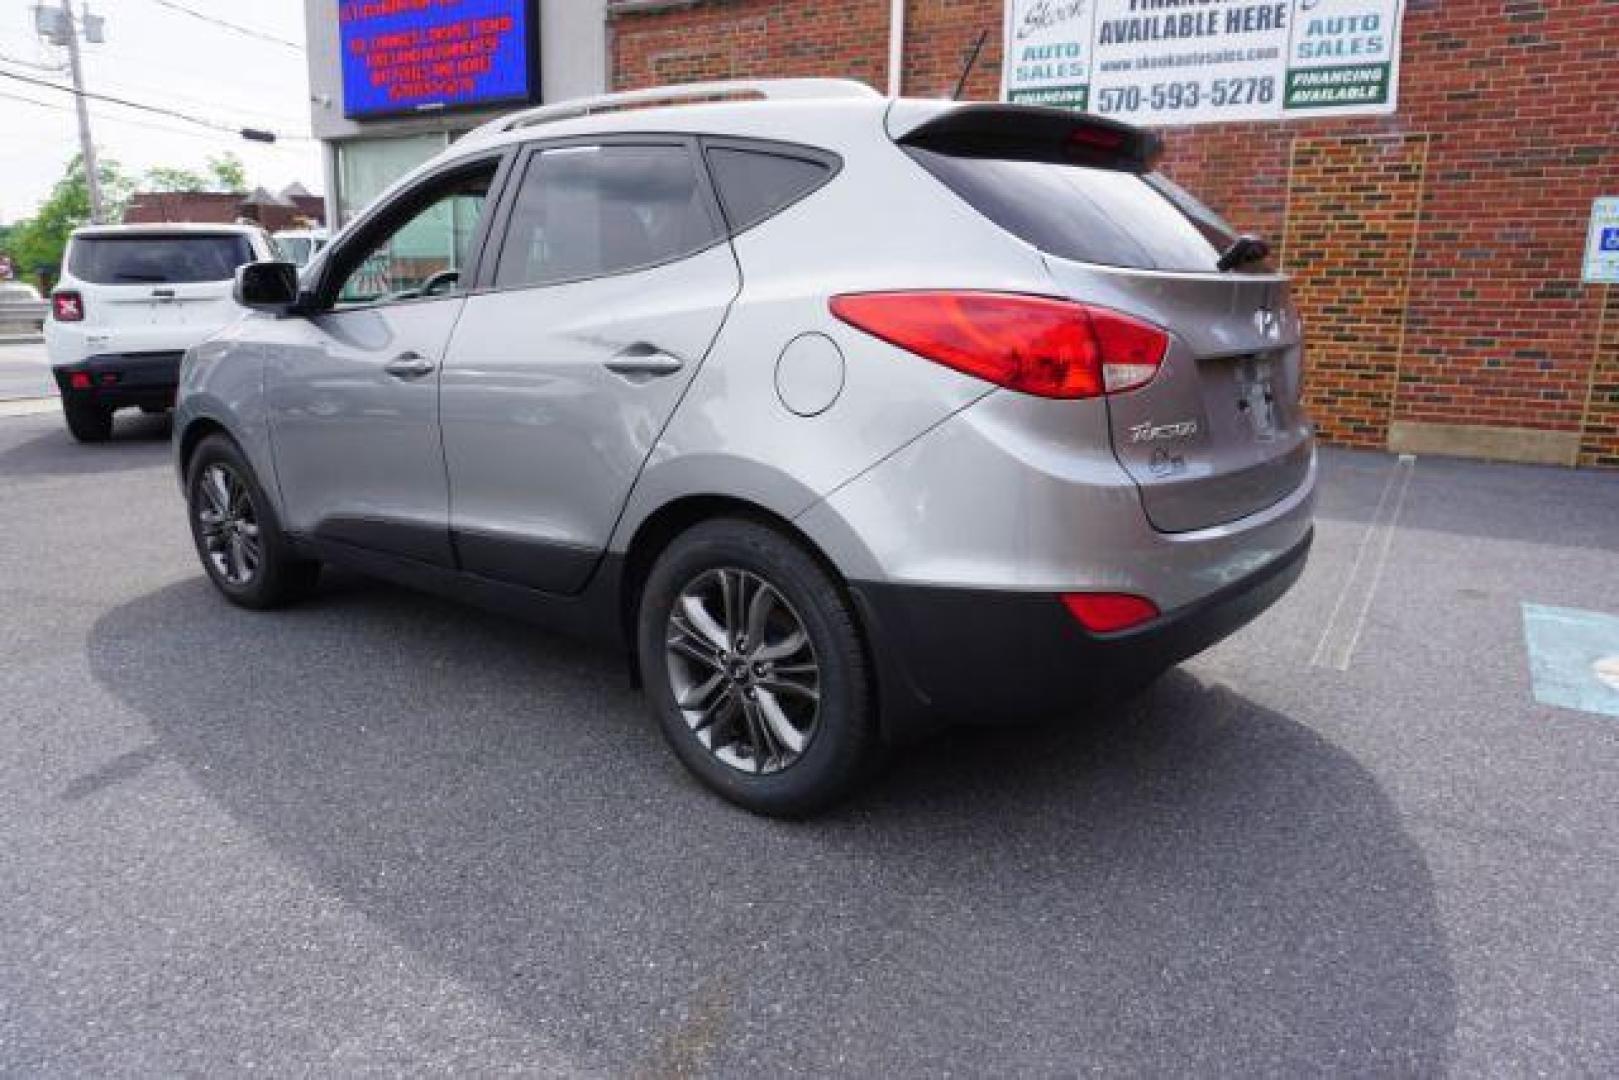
(1195,885)
(138,441)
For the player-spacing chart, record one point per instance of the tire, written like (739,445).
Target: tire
(236,532)
(746,703)
(89,423)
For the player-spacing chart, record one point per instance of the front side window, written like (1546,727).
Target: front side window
(590,211)
(158,260)
(427,252)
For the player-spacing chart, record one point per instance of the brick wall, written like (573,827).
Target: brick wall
(1436,251)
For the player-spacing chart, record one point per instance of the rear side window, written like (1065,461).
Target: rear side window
(1112,217)
(590,211)
(143,260)
(756,184)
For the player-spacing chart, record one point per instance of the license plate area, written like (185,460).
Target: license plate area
(1257,404)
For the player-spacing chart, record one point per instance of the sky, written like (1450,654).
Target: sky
(158,55)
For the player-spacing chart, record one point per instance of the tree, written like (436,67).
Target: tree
(173,178)
(37,243)
(228,172)
(225,173)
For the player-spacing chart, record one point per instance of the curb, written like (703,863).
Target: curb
(28,406)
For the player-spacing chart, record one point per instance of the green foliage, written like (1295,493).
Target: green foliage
(36,245)
(229,174)
(225,173)
(172,178)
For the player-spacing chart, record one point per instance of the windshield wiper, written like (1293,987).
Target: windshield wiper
(1245,249)
(155,279)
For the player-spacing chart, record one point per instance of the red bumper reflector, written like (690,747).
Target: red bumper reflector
(1105,613)
(79,380)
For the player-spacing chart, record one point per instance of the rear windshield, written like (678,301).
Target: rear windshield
(141,260)
(1105,216)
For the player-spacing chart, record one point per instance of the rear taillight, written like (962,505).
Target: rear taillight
(67,307)
(1106,613)
(1050,348)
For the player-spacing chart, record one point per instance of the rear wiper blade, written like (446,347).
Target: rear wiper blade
(1245,249)
(149,278)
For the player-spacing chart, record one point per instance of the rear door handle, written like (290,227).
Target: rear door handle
(652,362)
(409,366)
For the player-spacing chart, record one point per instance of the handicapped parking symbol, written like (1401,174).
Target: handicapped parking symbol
(1610,240)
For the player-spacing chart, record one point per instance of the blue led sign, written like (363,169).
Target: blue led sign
(412,56)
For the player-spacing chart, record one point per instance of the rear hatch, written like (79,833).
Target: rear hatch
(1219,433)
(154,281)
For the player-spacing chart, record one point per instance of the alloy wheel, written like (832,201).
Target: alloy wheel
(228,525)
(743,670)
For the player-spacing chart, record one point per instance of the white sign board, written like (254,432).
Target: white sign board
(1602,242)
(1161,62)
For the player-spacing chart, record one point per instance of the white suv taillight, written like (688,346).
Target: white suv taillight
(67,306)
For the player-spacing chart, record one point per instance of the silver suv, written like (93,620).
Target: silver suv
(848,416)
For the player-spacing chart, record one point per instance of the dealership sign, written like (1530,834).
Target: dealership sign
(410,56)
(1203,61)
(1602,242)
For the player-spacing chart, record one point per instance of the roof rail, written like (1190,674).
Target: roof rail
(768,89)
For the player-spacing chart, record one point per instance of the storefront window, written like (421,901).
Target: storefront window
(365,167)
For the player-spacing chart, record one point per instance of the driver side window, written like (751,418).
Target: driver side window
(426,253)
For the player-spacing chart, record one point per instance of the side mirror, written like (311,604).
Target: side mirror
(267,286)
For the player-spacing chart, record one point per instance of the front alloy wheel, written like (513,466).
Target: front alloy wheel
(743,671)
(228,525)
(237,534)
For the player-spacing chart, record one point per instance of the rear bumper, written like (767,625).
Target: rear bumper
(119,380)
(975,656)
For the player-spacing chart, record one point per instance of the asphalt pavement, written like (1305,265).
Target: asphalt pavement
(380,833)
(24,371)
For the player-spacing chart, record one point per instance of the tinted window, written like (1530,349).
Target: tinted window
(426,252)
(588,211)
(1095,215)
(142,260)
(754,184)
(297,249)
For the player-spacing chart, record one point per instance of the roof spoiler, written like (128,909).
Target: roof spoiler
(1038,133)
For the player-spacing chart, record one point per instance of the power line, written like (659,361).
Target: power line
(136,89)
(235,27)
(126,103)
(190,133)
(55,69)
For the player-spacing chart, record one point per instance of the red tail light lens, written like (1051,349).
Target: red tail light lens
(1050,348)
(1106,613)
(79,380)
(67,307)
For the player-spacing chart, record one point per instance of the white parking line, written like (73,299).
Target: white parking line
(1339,637)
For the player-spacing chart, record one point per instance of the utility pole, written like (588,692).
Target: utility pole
(60,26)
(92,175)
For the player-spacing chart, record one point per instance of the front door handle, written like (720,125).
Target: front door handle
(649,362)
(409,366)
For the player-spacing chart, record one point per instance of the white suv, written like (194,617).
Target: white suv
(131,300)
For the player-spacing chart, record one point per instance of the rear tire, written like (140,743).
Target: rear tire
(238,536)
(89,422)
(784,724)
